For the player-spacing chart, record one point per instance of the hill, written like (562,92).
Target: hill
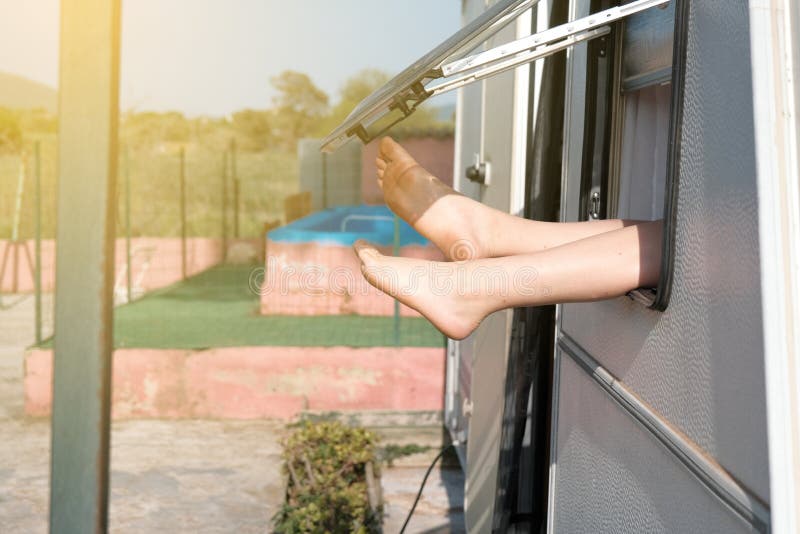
(20,93)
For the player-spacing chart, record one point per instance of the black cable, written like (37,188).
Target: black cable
(424,480)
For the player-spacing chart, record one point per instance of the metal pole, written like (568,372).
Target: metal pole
(88,117)
(128,263)
(324,180)
(37,278)
(15,225)
(18,199)
(396,252)
(183,211)
(235,178)
(15,267)
(224,206)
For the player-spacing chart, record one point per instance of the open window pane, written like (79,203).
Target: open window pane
(406,91)
(647,44)
(399,97)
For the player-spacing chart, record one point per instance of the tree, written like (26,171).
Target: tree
(355,89)
(37,122)
(150,128)
(361,85)
(174,127)
(298,106)
(253,129)
(10,131)
(423,121)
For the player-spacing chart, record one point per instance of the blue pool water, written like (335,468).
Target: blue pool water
(344,225)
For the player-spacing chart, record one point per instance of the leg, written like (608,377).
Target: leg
(461,227)
(456,297)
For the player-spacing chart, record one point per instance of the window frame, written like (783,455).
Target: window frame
(664,288)
(654,298)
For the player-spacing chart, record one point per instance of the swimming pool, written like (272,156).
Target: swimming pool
(311,268)
(344,225)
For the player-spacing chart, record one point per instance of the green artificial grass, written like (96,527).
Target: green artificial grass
(217,309)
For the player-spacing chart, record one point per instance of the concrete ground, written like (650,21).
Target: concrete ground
(181,476)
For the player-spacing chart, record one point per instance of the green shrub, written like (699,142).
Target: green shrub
(391,452)
(326,465)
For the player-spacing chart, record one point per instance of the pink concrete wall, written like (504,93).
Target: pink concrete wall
(318,279)
(17,265)
(162,253)
(434,153)
(257,382)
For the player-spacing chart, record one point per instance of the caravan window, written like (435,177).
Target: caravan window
(630,69)
(644,97)
(630,122)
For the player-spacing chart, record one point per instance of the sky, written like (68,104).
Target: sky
(213,57)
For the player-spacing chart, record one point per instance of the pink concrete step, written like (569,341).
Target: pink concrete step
(256,382)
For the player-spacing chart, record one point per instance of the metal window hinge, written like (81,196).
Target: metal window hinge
(508,56)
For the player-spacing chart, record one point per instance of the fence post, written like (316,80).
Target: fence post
(12,248)
(396,252)
(224,206)
(128,263)
(15,228)
(324,180)
(182,178)
(37,279)
(9,251)
(235,179)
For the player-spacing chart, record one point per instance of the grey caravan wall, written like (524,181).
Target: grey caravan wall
(660,417)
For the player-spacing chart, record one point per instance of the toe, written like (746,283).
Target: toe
(365,251)
(370,263)
(391,151)
(386,147)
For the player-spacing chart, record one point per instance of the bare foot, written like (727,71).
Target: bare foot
(434,209)
(425,286)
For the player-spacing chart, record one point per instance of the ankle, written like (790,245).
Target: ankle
(472,239)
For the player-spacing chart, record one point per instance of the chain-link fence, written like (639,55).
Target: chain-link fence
(264,179)
(226,193)
(180,210)
(197,326)
(183,209)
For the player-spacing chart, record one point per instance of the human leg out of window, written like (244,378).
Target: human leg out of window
(463,228)
(457,296)
(512,261)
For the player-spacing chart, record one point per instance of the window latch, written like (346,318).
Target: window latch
(594,205)
(480,172)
